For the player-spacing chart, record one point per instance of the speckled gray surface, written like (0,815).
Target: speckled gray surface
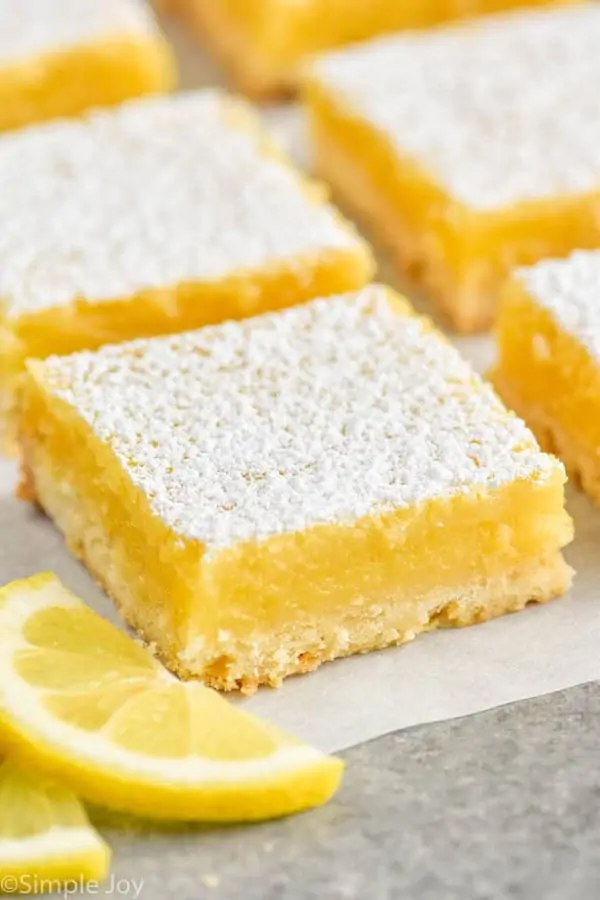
(491,807)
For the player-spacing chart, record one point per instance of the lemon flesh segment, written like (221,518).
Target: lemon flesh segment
(85,703)
(45,834)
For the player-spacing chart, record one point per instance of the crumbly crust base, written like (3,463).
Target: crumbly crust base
(537,581)
(468,310)
(582,466)
(247,665)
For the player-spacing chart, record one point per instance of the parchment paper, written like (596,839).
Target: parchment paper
(439,676)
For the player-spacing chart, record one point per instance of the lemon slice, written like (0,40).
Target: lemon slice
(45,834)
(80,700)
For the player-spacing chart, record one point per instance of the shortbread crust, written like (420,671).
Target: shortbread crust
(466,170)
(262,496)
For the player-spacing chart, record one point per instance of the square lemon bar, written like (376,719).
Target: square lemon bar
(549,358)
(263,43)
(468,149)
(262,496)
(61,57)
(162,215)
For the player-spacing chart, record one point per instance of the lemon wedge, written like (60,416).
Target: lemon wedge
(82,701)
(45,837)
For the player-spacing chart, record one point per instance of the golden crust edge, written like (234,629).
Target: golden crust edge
(536,580)
(406,249)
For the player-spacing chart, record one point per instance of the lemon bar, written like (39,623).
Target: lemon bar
(469,150)
(61,57)
(262,496)
(549,358)
(164,214)
(263,43)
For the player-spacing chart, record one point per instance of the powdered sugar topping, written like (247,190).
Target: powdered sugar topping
(570,290)
(30,28)
(324,413)
(155,193)
(498,111)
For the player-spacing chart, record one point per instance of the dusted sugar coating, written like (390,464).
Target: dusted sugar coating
(262,496)
(264,44)
(156,217)
(322,414)
(570,290)
(548,366)
(498,111)
(148,196)
(29,28)
(60,58)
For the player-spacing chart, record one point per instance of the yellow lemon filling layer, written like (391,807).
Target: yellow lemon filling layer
(288,556)
(83,325)
(263,44)
(459,256)
(466,172)
(69,82)
(546,367)
(127,235)
(262,611)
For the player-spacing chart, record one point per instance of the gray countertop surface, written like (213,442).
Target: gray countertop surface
(500,805)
